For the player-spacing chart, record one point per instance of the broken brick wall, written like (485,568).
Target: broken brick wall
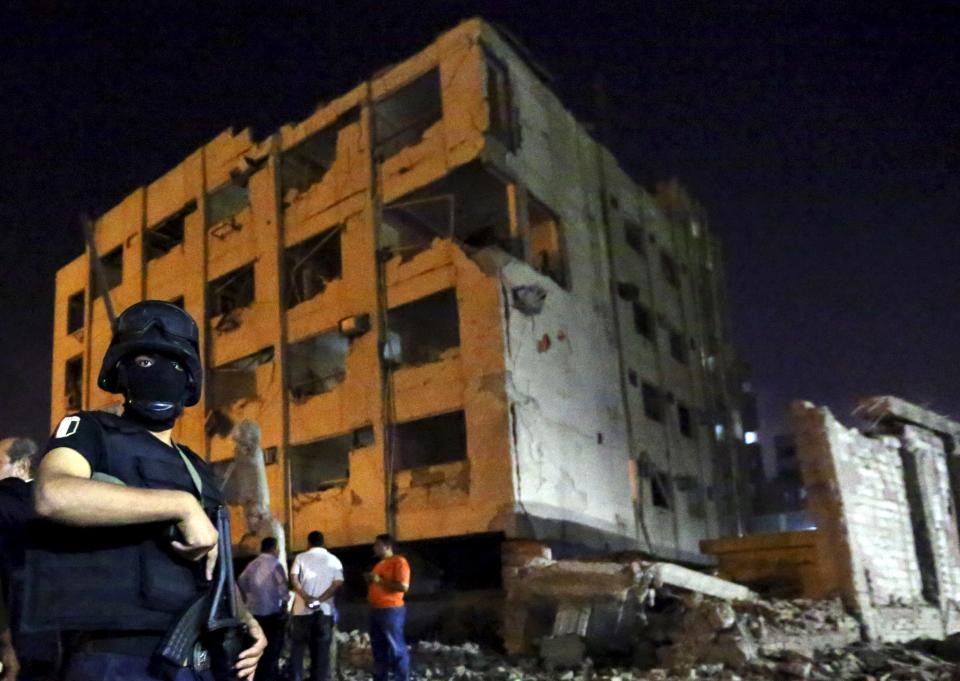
(887,533)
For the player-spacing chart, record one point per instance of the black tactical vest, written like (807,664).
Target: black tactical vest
(117,578)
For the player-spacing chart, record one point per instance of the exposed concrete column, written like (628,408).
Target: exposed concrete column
(519,220)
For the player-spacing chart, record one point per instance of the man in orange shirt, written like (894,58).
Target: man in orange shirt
(389,581)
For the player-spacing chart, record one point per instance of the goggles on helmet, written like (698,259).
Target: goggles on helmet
(137,322)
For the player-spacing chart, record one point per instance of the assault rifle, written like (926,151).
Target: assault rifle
(209,634)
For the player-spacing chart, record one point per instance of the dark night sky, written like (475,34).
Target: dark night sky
(824,143)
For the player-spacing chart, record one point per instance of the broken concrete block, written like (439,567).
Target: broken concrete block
(564,651)
(719,616)
(731,649)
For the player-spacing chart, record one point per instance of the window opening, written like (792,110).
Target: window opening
(500,101)
(652,401)
(669,267)
(423,331)
(73,383)
(232,291)
(310,265)
(678,349)
(223,472)
(547,252)
(633,233)
(237,380)
(642,321)
(320,465)
(661,489)
(469,204)
(308,162)
(400,119)
(167,234)
(226,201)
(75,312)
(684,421)
(317,365)
(431,441)
(112,264)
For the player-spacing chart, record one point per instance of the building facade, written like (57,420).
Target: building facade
(449,309)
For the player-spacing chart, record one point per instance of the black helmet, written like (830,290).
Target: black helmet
(154,326)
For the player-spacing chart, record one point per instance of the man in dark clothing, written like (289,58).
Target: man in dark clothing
(37,653)
(129,543)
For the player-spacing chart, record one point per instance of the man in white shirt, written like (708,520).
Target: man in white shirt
(264,587)
(315,577)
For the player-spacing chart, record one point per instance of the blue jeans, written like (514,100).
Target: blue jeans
(115,667)
(389,647)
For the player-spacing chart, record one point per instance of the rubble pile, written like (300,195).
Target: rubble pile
(697,639)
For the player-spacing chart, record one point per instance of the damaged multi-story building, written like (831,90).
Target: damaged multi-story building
(449,308)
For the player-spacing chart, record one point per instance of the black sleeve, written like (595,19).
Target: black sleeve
(81,433)
(16,505)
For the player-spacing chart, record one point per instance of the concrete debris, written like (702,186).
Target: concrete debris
(529,299)
(858,661)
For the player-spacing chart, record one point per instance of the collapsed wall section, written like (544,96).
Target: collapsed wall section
(887,530)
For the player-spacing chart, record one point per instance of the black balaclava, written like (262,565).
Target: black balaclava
(155,394)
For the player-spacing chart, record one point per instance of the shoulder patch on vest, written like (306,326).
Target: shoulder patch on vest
(68,426)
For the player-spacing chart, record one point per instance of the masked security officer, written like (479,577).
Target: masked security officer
(109,571)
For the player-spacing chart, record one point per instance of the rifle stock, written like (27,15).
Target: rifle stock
(212,620)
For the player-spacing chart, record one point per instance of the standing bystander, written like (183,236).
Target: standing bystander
(389,581)
(315,576)
(264,587)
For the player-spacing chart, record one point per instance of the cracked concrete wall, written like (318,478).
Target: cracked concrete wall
(560,165)
(886,526)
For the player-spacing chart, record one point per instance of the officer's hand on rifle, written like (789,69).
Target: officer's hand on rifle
(199,536)
(247,662)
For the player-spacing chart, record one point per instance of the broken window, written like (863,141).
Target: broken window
(635,237)
(237,380)
(223,472)
(652,401)
(500,102)
(321,464)
(547,253)
(401,118)
(73,383)
(468,204)
(678,348)
(310,265)
(317,364)
(642,321)
(684,421)
(226,201)
(230,292)
(422,331)
(430,441)
(112,265)
(166,235)
(306,163)
(697,502)
(661,490)
(75,312)
(669,268)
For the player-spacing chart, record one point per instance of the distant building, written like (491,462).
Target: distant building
(779,503)
(451,311)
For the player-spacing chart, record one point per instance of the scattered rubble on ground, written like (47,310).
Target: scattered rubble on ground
(697,638)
